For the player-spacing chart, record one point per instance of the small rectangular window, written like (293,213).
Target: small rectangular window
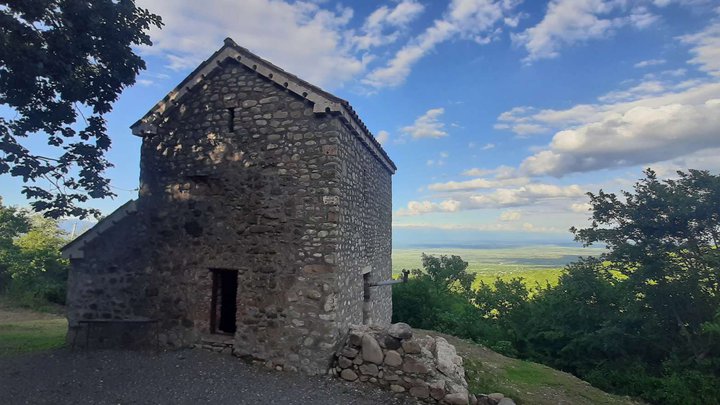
(231,120)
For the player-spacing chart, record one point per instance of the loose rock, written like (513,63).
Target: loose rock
(400,331)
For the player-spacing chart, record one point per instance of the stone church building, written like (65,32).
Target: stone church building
(263,216)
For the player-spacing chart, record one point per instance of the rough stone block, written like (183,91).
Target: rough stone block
(421,392)
(457,399)
(400,331)
(412,365)
(393,358)
(371,350)
(369,369)
(411,347)
(348,375)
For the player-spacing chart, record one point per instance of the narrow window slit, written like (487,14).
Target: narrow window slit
(231,120)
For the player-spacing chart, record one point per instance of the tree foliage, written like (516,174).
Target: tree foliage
(31,268)
(64,59)
(642,320)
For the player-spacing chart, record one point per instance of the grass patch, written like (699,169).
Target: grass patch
(29,336)
(525,382)
(531,374)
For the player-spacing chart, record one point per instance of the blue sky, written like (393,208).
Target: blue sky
(500,115)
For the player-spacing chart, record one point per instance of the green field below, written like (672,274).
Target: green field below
(535,264)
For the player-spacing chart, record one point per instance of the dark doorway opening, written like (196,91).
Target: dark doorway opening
(224,301)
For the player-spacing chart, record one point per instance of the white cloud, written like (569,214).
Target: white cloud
(427,125)
(582,208)
(510,216)
(706,49)
(476,184)
(474,20)
(640,135)
(649,62)
(425,207)
(529,194)
(488,227)
(488,146)
(660,119)
(568,22)
(500,172)
(644,89)
(302,37)
(384,18)
(382,137)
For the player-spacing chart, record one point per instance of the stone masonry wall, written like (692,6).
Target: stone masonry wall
(423,367)
(365,233)
(261,194)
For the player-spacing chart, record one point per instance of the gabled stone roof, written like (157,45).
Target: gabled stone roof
(323,102)
(74,249)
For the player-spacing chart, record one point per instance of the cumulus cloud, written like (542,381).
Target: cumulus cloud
(382,137)
(706,49)
(427,125)
(301,36)
(640,135)
(475,20)
(528,194)
(510,216)
(383,26)
(476,184)
(487,227)
(425,207)
(582,208)
(568,22)
(659,119)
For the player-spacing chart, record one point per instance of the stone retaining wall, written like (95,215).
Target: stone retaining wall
(424,367)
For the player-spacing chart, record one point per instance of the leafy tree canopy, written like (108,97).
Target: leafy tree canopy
(61,60)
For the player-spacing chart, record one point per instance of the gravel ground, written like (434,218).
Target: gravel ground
(179,377)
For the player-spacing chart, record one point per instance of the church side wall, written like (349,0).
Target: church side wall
(365,233)
(113,281)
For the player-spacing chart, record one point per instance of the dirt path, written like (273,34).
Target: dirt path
(11,314)
(181,377)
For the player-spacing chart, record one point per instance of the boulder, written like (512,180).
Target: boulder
(393,358)
(420,391)
(391,343)
(369,369)
(355,338)
(447,360)
(411,346)
(506,401)
(411,365)
(344,362)
(371,350)
(400,331)
(348,375)
(457,398)
(397,388)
